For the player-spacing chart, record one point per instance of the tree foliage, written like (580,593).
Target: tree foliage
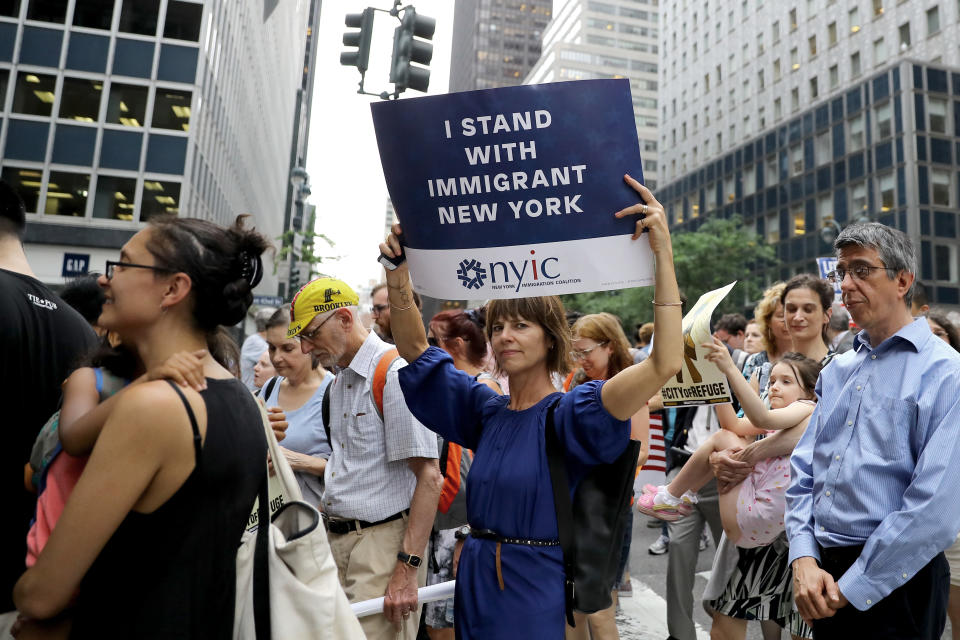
(720,251)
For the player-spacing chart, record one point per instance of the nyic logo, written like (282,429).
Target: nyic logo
(473,275)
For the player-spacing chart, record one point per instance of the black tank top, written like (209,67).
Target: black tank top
(172,573)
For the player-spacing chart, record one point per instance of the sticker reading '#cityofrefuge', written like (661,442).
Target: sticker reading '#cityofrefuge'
(511,192)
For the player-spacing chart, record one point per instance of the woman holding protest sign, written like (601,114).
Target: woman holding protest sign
(510,582)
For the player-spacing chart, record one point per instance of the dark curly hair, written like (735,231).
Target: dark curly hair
(223,263)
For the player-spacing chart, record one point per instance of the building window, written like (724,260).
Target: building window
(933,20)
(159,198)
(10,8)
(877,8)
(793,19)
(858,200)
(796,160)
(4,78)
(114,198)
(760,43)
(879,51)
(856,134)
(127,105)
(938,115)
(47,10)
(884,121)
(777,109)
(834,77)
(26,182)
(814,88)
(823,153)
(853,20)
(80,99)
(825,208)
(904,36)
(750,180)
(773,228)
(772,174)
(832,33)
(855,65)
(945,262)
(776,70)
(183,20)
(775,30)
(95,14)
(139,16)
(760,82)
(67,194)
(794,99)
(941,187)
(34,94)
(794,59)
(812,44)
(799,222)
(887,195)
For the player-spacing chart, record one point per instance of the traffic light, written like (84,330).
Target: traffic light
(359,39)
(407,49)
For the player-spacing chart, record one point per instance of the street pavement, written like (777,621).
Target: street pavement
(643,616)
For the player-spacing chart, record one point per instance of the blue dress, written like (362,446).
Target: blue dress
(509,491)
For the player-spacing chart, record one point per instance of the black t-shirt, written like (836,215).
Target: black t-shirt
(42,339)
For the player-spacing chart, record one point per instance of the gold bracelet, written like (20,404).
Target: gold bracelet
(666,304)
(393,306)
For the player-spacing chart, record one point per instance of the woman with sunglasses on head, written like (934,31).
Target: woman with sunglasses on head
(510,581)
(601,350)
(146,544)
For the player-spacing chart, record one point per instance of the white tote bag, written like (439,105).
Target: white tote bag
(305,599)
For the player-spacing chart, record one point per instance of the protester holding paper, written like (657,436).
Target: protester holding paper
(510,582)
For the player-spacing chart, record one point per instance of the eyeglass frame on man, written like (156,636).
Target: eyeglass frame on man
(310,336)
(111,265)
(837,275)
(583,354)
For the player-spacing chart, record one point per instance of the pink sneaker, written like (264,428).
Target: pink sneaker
(685,507)
(646,504)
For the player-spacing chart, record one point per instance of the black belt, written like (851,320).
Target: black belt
(348,526)
(488,534)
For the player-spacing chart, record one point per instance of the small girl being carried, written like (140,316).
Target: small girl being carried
(752,514)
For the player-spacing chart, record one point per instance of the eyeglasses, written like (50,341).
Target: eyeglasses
(583,353)
(111,265)
(859,272)
(379,308)
(310,336)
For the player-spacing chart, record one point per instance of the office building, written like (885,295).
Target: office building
(113,111)
(804,115)
(495,43)
(588,39)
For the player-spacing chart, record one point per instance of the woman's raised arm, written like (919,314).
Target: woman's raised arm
(628,391)
(405,322)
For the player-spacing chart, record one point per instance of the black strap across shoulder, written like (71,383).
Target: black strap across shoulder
(261,569)
(325,413)
(197,442)
(268,388)
(564,508)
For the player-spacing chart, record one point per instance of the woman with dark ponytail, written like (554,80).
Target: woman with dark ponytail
(147,541)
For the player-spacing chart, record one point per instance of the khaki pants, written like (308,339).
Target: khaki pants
(365,563)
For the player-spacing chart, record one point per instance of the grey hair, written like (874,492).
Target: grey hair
(893,246)
(262,317)
(840,320)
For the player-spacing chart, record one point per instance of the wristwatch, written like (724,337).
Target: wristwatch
(462,533)
(410,559)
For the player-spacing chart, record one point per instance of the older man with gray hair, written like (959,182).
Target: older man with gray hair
(872,501)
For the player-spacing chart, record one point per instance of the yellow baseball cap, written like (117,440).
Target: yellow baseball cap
(316,297)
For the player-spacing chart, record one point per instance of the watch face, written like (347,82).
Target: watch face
(414,561)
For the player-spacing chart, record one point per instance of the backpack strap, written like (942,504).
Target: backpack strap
(564,508)
(268,387)
(325,412)
(380,377)
(450,464)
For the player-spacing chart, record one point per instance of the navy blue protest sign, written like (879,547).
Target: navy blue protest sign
(511,192)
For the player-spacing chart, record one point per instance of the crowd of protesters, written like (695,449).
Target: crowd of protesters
(827,484)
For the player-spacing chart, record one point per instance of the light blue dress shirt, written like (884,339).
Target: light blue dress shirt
(879,463)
